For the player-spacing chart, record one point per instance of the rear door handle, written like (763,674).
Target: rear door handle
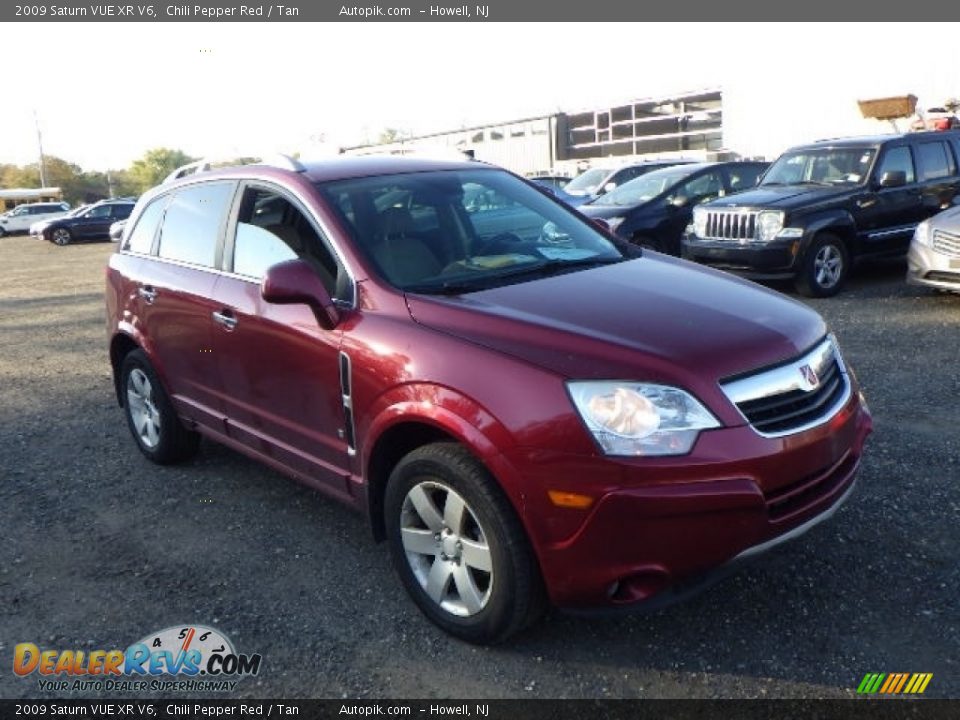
(226,319)
(147,293)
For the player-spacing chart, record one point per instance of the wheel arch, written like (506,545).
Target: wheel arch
(403,426)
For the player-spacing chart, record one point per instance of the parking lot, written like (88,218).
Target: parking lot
(102,548)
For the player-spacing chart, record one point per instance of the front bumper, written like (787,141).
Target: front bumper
(926,266)
(776,259)
(661,527)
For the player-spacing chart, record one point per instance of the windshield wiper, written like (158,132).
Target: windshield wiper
(544,269)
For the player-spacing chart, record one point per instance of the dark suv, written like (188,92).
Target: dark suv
(525,411)
(822,206)
(91,223)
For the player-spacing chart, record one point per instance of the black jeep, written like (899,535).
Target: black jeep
(820,207)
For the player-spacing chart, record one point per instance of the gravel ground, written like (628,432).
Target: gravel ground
(101,548)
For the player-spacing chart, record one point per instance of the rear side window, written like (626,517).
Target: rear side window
(141,237)
(121,212)
(935,160)
(191,226)
(897,159)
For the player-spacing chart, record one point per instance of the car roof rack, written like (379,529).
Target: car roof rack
(277,160)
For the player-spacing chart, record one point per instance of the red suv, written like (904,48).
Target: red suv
(525,408)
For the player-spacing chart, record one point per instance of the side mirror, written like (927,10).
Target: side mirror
(609,186)
(893,178)
(294,282)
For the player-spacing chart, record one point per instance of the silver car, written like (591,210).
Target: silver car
(934,257)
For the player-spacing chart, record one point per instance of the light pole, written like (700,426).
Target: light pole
(43,167)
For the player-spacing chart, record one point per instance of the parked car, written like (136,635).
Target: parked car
(91,223)
(934,256)
(522,416)
(654,209)
(594,182)
(551,182)
(23,216)
(821,207)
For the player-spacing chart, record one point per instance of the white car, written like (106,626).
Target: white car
(23,216)
(934,257)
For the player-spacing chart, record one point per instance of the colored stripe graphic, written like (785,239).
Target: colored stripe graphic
(894,683)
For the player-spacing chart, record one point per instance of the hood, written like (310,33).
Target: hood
(786,197)
(655,318)
(608,211)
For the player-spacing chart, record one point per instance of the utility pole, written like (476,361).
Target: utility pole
(43,167)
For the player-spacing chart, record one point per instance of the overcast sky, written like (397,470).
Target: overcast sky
(105,93)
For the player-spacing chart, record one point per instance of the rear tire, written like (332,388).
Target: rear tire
(153,422)
(458,546)
(61,236)
(825,267)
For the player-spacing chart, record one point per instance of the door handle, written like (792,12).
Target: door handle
(147,293)
(226,319)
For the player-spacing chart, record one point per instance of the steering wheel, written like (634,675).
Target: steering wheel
(499,243)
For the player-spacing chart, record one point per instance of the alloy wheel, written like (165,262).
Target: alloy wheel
(446,548)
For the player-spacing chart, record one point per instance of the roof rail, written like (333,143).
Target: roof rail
(278,160)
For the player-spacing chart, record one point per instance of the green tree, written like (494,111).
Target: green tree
(154,166)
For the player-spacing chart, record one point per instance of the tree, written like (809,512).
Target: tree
(154,166)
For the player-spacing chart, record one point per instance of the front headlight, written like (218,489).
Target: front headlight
(922,235)
(769,223)
(640,418)
(700,222)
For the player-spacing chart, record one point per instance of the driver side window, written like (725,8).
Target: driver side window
(897,159)
(705,187)
(271,229)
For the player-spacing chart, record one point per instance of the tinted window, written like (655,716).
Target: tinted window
(898,159)
(742,177)
(141,237)
(101,211)
(935,160)
(271,229)
(121,211)
(701,188)
(192,224)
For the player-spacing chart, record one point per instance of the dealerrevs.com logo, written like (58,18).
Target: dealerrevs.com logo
(182,658)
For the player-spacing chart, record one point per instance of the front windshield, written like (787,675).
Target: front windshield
(644,188)
(821,166)
(586,182)
(464,230)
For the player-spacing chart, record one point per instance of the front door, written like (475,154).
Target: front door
(278,366)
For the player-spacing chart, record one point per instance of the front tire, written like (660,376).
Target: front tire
(154,424)
(825,267)
(61,236)
(458,546)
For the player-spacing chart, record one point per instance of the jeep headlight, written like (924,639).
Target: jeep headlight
(769,223)
(922,235)
(644,419)
(700,222)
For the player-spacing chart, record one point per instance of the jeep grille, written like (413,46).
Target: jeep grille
(731,225)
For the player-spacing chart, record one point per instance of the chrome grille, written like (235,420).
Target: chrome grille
(793,397)
(731,225)
(946,243)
